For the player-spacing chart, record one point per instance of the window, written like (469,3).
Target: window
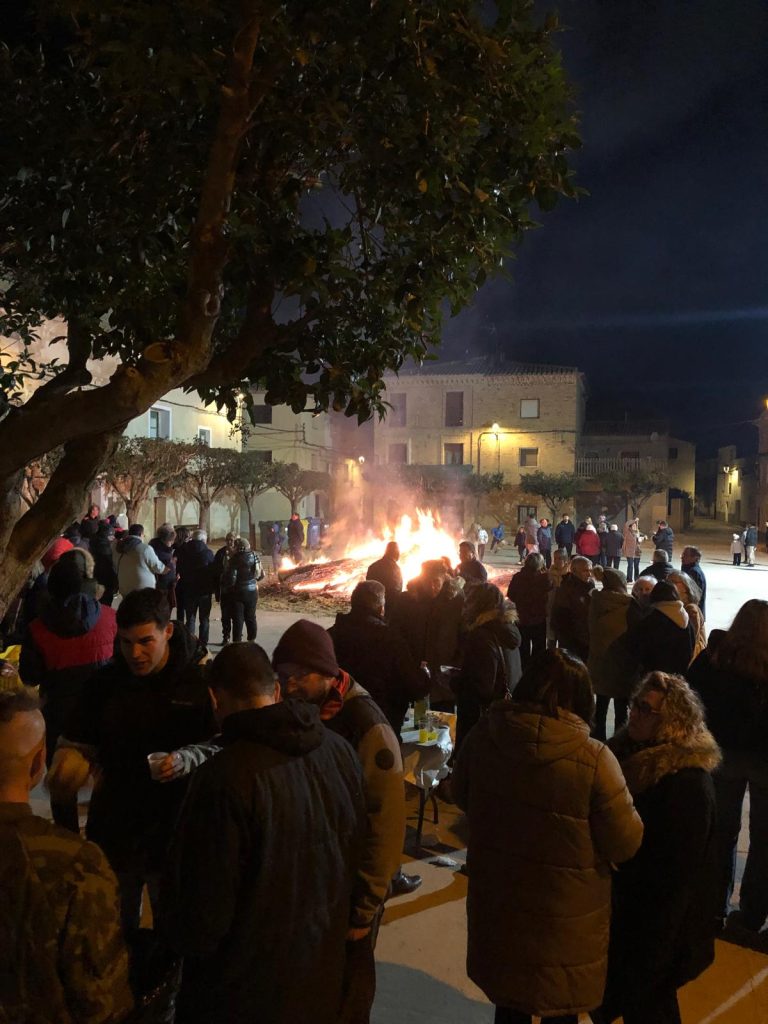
(204,435)
(397,414)
(398,455)
(262,413)
(672,454)
(454,409)
(529,408)
(525,512)
(160,424)
(453,454)
(529,457)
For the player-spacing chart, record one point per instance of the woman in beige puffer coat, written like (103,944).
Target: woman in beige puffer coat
(548,812)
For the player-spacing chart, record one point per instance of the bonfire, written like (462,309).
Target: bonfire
(418,541)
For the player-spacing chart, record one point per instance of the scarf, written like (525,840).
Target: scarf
(334,702)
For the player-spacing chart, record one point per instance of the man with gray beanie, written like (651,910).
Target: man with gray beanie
(306,666)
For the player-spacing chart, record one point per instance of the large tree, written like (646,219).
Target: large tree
(294,483)
(251,476)
(208,476)
(138,464)
(634,487)
(289,194)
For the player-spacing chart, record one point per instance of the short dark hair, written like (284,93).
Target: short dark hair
(243,671)
(166,533)
(557,679)
(468,545)
(14,702)
(142,606)
(368,596)
(136,530)
(392,550)
(694,552)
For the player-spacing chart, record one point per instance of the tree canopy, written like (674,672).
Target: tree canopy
(556,490)
(294,483)
(634,486)
(291,195)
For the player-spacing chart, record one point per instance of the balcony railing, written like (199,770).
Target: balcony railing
(588,466)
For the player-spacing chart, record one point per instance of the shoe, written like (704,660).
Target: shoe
(737,919)
(403,884)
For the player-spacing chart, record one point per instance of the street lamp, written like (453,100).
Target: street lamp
(495,428)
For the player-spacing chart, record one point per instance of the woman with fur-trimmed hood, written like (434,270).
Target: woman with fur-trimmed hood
(663,923)
(491,663)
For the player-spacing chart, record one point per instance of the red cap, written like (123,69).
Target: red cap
(55,551)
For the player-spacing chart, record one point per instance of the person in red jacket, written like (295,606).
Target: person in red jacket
(588,542)
(73,636)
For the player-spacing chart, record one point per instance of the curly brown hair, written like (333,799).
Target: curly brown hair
(682,713)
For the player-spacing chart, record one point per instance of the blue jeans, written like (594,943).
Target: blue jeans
(738,771)
(633,569)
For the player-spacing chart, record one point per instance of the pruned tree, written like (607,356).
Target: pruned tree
(211,195)
(138,464)
(251,476)
(479,485)
(556,490)
(295,483)
(634,487)
(207,476)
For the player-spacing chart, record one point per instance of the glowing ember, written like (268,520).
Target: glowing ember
(417,543)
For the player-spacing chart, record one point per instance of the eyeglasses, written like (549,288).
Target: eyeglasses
(642,707)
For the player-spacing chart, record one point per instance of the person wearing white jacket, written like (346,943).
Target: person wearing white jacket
(136,563)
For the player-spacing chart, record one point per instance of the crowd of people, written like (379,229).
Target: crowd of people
(257,804)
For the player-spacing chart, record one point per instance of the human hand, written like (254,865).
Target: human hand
(356,934)
(169,768)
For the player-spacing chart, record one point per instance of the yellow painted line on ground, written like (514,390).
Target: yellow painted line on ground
(746,990)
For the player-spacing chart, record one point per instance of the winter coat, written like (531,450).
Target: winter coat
(694,570)
(240,575)
(119,720)
(472,571)
(167,556)
(614,542)
(194,564)
(750,537)
(548,812)
(387,572)
(520,540)
(137,565)
(662,925)
(529,592)
(631,543)
(431,628)
(659,570)
(588,542)
(607,622)
(664,538)
(376,655)
(736,704)
(491,667)
(103,564)
(565,534)
(261,931)
(295,532)
(531,531)
(544,538)
(570,615)
(64,647)
(737,548)
(218,565)
(664,639)
(498,532)
(363,724)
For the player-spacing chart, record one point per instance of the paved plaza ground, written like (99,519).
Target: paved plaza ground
(422,943)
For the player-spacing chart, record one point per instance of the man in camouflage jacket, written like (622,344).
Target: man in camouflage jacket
(62,956)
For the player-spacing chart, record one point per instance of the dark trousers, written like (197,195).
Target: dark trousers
(506,1016)
(620,712)
(194,605)
(226,619)
(659,1006)
(359,984)
(534,640)
(568,548)
(614,561)
(547,556)
(737,559)
(633,569)
(731,780)
(131,885)
(244,612)
(481,551)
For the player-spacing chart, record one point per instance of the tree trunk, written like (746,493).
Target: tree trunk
(131,510)
(251,526)
(205,515)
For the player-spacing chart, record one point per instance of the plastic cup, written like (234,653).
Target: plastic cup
(154,761)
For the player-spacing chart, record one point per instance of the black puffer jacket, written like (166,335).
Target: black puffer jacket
(194,561)
(376,656)
(240,574)
(122,718)
(570,615)
(262,932)
(736,705)
(490,667)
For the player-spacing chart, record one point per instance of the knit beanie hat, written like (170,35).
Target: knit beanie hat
(69,575)
(664,591)
(307,645)
(55,551)
(614,580)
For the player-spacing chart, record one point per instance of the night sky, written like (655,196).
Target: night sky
(656,284)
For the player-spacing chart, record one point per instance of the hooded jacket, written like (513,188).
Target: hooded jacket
(570,614)
(548,811)
(664,538)
(565,534)
(194,564)
(607,622)
(588,542)
(662,927)
(262,868)
(376,656)
(663,639)
(490,669)
(120,719)
(137,565)
(529,592)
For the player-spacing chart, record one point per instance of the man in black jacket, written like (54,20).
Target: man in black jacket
(195,568)
(661,566)
(570,608)
(387,572)
(664,538)
(264,860)
(151,699)
(565,534)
